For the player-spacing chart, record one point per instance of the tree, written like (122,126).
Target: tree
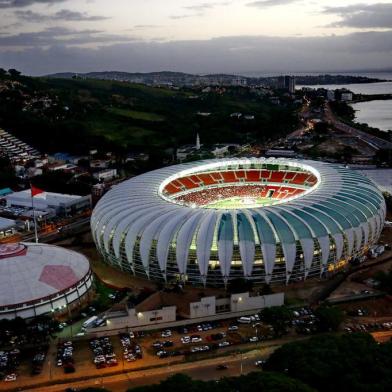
(348,153)
(253,382)
(349,363)
(279,318)
(385,279)
(321,128)
(8,178)
(383,157)
(329,318)
(14,73)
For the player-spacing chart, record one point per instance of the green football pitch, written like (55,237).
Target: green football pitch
(241,202)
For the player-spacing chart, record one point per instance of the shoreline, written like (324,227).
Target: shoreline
(369,121)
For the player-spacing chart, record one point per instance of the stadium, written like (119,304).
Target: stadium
(37,278)
(268,220)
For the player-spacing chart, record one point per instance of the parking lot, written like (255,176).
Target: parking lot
(130,351)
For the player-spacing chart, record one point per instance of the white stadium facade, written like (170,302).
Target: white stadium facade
(265,219)
(36,279)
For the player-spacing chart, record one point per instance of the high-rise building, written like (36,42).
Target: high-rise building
(287,83)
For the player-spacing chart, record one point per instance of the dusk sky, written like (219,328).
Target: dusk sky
(239,36)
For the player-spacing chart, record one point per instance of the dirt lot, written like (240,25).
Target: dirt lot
(372,308)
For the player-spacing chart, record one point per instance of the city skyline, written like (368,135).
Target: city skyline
(239,36)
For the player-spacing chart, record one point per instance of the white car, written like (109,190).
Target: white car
(185,339)
(166,334)
(197,339)
(10,377)
(233,328)
(254,339)
(224,344)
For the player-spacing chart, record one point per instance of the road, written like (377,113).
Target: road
(201,370)
(373,142)
(382,336)
(72,229)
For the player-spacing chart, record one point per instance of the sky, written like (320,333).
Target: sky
(232,36)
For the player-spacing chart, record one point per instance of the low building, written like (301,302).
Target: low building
(185,151)
(5,191)
(105,175)
(8,227)
(343,95)
(60,204)
(37,279)
(281,153)
(66,167)
(172,309)
(220,150)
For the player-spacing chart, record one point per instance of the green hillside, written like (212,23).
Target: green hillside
(74,115)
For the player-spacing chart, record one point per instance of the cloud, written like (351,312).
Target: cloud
(205,6)
(26,3)
(270,3)
(363,15)
(184,16)
(237,54)
(62,15)
(59,36)
(199,9)
(146,26)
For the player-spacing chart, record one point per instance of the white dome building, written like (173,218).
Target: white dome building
(268,220)
(37,278)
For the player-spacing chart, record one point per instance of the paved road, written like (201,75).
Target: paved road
(373,142)
(382,336)
(70,230)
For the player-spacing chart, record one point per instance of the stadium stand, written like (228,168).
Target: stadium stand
(235,176)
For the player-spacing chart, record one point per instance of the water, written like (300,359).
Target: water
(377,114)
(361,88)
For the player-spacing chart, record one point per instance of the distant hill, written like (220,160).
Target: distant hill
(186,79)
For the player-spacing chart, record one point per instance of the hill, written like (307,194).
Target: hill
(75,115)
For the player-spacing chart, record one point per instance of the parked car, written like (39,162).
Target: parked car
(166,333)
(221,367)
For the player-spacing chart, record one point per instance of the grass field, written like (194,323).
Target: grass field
(146,116)
(241,202)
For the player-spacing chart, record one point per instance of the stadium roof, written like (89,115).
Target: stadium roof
(29,272)
(342,202)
